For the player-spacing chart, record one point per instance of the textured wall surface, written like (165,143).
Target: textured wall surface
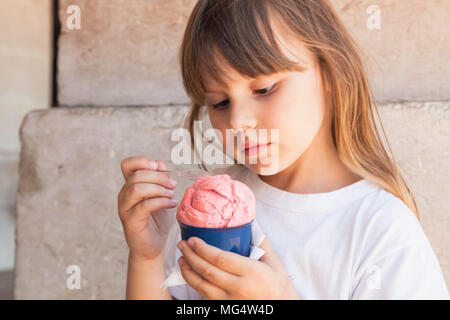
(25,83)
(70,176)
(67,199)
(124,53)
(419,137)
(127,54)
(406,57)
(25,64)
(8,187)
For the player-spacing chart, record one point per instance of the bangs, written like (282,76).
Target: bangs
(237,34)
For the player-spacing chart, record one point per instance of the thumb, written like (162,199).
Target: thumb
(270,257)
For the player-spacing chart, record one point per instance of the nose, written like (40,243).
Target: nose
(242,118)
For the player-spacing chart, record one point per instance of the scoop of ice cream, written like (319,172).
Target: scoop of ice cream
(217,202)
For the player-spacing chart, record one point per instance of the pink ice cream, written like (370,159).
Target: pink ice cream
(217,202)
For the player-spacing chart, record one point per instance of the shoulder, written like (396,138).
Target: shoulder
(385,226)
(382,214)
(392,248)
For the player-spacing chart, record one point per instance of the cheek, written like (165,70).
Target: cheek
(219,124)
(218,121)
(298,113)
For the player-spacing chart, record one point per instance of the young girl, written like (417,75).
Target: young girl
(339,220)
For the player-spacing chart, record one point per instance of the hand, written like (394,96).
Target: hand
(218,274)
(141,203)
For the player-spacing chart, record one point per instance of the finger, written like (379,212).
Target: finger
(151,176)
(227,261)
(202,286)
(137,192)
(143,209)
(161,165)
(131,164)
(208,271)
(270,257)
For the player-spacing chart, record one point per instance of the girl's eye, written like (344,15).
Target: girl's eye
(221,105)
(264,92)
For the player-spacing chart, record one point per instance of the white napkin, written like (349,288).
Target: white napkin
(175,277)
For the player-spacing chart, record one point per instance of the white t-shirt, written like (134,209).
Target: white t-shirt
(357,242)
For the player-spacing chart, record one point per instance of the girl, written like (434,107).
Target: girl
(339,220)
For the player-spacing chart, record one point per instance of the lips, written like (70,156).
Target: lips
(254,149)
(249,145)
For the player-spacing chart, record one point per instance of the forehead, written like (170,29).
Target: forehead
(289,45)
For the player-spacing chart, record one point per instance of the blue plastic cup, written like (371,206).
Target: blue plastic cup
(234,239)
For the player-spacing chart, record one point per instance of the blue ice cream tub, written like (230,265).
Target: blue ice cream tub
(234,239)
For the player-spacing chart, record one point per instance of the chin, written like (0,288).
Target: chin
(265,170)
(268,165)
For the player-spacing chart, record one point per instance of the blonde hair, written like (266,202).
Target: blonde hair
(241,31)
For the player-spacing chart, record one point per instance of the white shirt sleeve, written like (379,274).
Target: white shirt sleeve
(398,261)
(410,272)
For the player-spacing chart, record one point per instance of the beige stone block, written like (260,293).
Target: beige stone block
(25,82)
(406,57)
(126,53)
(67,200)
(9,177)
(419,136)
(70,177)
(25,64)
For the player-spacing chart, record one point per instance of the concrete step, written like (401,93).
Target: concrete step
(6,285)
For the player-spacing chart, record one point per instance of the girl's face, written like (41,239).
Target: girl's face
(292,102)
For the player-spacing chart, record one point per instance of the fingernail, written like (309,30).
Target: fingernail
(180,245)
(172,182)
(170,192)
(191,242)
(153,165)
(180,261)
(173,201)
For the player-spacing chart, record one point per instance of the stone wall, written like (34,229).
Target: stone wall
(67,199)
(70,178)
(25,84)
(119,81)
(123,54)
(126,54)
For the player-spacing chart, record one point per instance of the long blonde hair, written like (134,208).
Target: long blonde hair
(241,31)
